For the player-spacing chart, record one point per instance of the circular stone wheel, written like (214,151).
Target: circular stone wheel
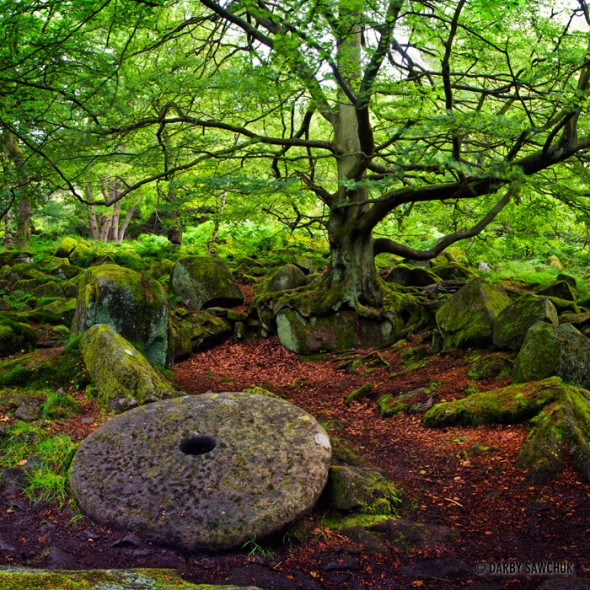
(205,472)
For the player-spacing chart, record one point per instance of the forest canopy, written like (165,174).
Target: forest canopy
(369,122)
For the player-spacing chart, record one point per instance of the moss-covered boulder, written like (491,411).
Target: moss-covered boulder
(75,250)
(57,267)
(208,471)
(194,331)
(11,257)
(513,322)
(134,305)
(467,318)
(560,289)
(339,331)
(559,424)
(122,375)
(360,489)
(152,579)
(411,276)
(452,271)
(549,350)
(284,278)
(205,281)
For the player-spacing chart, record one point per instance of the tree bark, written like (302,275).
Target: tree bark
(8,238)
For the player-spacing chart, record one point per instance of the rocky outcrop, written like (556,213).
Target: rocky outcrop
(549,350)
(122,375)
(467,318)
(205,281)
(134,305)
(339,331)
(207,472)
(194,331)
(513,322)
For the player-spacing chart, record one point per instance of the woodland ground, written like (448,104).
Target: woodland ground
(464,478)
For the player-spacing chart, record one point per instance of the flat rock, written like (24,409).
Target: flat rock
(203,472)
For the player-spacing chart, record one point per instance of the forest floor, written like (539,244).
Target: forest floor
(463,478)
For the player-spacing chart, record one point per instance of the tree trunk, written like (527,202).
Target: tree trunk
(114,233)
(8,239)
(93,224)
(125,225)
(24,211)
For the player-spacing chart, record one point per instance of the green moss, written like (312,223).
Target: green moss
(58,368)
(145,579)
(559,417)
(122,375)
(493,366)
(359,393)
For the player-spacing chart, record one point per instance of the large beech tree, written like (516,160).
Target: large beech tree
(373,106)
(386,104)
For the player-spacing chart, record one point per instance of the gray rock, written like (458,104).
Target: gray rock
(340,331)
(286,277)
(134,305)
(411,276)
(203,472)
(550,350)
(205,281)
(513,322)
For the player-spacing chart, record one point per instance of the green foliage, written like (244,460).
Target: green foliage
(59,404)
(255,549)
(45,459)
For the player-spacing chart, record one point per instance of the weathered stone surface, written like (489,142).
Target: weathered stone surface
(559,289)
(411,276)
(513,322)
(74,250)
(286,277)
(152,579)
(550,350)
(353,488)
(467,318)
(205,281)
(123,376)
(14,336)
(194,331)
(203,472)
(134,305)
(339,331)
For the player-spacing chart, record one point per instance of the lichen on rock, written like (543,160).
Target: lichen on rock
(123,376)
(134,305)
(204,281)
(467,318)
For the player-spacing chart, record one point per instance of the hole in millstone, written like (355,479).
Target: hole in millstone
(197,444)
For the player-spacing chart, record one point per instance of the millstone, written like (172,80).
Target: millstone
(206,472)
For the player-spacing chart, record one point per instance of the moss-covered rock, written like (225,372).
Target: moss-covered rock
(75,250)
(560,289)
(467,318)
(122,375)
(340,331)
(194,331)
(559,417)
(11,257)
(416,401)
(287,277)
(359,393)
(360,489)
(57,367)
(134,305)
(152,579)
(513,322)
(453,271)
(411,276)
(205,281)
(550,350)
(492,366)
